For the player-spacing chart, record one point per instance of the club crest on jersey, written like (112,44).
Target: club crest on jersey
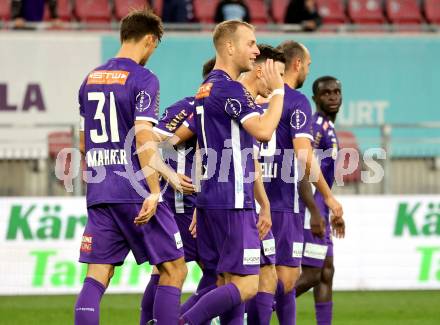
(233,107)
(86,244)
(298,119)
(143,101)
(204,90)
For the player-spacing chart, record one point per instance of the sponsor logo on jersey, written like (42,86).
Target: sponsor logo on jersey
(233,107)
(251,257)
(143,101)
(176,121)
(204,90)
(298,119)
(269,246)
(297,250)
(105,77)
(315,251)
(178,239)
(86,244)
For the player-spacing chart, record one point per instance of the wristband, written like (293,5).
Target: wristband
(278,91)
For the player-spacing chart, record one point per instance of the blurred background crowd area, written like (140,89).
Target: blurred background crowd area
(288,15)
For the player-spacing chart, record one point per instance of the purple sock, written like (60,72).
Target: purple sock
(166,305)
(324,312)
(234,316)
(148,299)
(212,304)
(285,306)
(194,298)
(87,303)
(259,309)
(208,279)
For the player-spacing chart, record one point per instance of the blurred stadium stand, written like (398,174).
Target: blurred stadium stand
(338,15)
(366,11)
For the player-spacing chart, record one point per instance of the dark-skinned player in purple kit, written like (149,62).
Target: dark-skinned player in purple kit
(119,101)
(317,262)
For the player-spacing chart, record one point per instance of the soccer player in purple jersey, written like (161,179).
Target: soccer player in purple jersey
(282,157)
(259,309)
(180,158)
(227,121)
(119,101)
(317,262)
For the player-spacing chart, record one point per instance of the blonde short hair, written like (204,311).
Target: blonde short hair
(227,28)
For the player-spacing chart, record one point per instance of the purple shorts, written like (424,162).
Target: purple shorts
(183,221)
(316,249)
(287,228)
(268,256)
(110,234)
(228,241)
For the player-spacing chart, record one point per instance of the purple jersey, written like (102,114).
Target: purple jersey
(277,157)
(181,158)
(326,149)
(111,99)
(228,175)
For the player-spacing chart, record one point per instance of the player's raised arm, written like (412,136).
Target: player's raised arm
(262,126)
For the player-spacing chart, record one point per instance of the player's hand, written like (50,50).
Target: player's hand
(334,206)
(338,227)
(182,184)
(264,222)
(193,226)
(272,75)
(148,210)
(317,225)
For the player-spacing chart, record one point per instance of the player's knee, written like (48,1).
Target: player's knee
(327,273)
(312,276)
(175,270)
(247,285)
(268,279)
(101,273)
(289,285)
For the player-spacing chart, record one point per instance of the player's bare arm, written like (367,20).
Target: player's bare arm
(181,135)
(317,223)
(185,182)
(304,152)
(262,127)
(144,135)
(264,217)
(82,146)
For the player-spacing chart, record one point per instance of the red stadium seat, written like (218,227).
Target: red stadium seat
(93,11)
(279,8)
(205,10)
(366,11)
(157,6)
(432,11)
(404,12)
(347,140)
(258,11)
(5,9)
(332,11)
(123,7)
(64,9)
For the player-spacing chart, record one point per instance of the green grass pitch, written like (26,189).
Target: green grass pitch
(357,308)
